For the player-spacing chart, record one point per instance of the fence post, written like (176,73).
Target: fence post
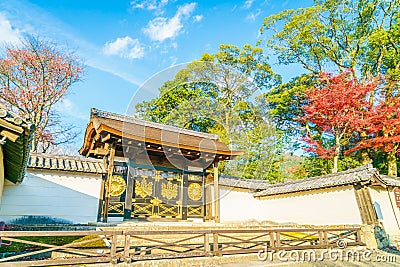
(278,240)
(127,246)
(358,238)
(206,245)
(113,251)
(326,239)
(321,239)
(272,240)
(216,251)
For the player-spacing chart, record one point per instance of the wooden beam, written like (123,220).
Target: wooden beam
(216,193)
(208,180)
(105,137)
(10,126)
(108,182)
(185,184)
(364,202)
(360,204)
(129,189)
(9,135)
(100,209)
(368,202)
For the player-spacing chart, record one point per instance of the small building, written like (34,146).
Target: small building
(155,171)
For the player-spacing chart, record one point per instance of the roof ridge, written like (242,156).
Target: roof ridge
(65,163)
(329,175)
(350,176)
(126,118)
(59,156)
(243,179)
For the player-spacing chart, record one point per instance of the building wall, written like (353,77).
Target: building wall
(330,206)
(335,206)
(390,212)
(70,196)
(239,205)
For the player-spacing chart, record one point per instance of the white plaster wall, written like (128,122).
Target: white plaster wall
(239,206)
(70,196)
(389,212)
(318,207)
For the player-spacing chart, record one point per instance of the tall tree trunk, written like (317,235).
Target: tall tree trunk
(336,157)
(365,159)
(392,163)
(34,143)
(335,163)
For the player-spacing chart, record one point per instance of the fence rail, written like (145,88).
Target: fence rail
(129,246)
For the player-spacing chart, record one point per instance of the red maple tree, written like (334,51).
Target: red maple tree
(383,128)
(335,110)
(34,77)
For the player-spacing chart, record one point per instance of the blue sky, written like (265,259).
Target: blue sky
(124,43)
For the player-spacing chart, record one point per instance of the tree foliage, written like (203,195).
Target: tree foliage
(34,76)
(218,94)
(338,109)
(335,35)
(332,36)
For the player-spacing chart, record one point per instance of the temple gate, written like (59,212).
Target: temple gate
(155,171)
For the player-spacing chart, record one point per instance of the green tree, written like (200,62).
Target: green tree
(333,35)
(218,94)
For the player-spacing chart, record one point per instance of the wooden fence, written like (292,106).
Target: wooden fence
(129,246)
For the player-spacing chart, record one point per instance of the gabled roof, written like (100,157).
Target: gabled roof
(363,174)
(66,163)
(15,134)
(129,128)
(390,180)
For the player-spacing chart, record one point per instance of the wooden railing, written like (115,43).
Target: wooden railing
(128,246)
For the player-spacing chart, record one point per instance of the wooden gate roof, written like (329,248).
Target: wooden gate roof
(104,126)
(17,134)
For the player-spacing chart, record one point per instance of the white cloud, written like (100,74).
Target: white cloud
(252,16)
(29,18)
(248,4)
(124,47)
(198,18)
(8,34)
(68,108)
(152,5)
(161,28)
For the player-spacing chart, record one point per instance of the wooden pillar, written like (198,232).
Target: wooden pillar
(364,202)
(370,205)
(185,184)
(216,193)
(100,210)
(208,213)
(108,182)
(129,189)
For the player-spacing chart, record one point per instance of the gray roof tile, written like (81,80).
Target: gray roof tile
(66,163)
(237,182)
(352,176)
